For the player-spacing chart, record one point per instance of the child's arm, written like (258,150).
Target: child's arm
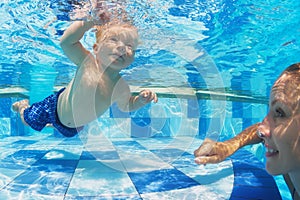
(213,152)
(70,41)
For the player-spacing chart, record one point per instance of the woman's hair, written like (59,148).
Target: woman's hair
(291,86)
(294,68)
(294,72)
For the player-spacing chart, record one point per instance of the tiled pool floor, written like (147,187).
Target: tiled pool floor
(48,167)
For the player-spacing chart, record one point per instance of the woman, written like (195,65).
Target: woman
(279,131)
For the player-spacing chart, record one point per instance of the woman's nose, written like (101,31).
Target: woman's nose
(263,129)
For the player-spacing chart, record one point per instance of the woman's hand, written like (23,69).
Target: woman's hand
(212,152)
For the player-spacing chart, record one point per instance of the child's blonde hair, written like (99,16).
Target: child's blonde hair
(101,31)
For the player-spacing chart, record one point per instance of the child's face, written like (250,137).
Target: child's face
(281,128)
(117,48)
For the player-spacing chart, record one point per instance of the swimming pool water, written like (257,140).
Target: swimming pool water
(237,38)
(212,64)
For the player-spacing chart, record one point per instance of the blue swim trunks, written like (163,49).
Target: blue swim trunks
(39,114)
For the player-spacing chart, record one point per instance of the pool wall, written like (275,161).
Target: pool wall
(169,117)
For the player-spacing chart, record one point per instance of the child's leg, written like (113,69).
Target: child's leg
(19,107)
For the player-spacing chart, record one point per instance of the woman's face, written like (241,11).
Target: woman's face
(280,129)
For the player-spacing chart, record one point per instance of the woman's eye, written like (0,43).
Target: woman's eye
(279,113)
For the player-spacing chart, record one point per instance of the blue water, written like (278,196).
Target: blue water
(246,41)
(218,59)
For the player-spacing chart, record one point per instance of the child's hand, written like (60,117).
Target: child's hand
(147,96)
(100,17)
(100,14)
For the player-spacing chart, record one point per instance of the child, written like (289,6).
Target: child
(97,82)
(280,132)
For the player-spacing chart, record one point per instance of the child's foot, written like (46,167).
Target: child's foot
(19,105)
(49,125)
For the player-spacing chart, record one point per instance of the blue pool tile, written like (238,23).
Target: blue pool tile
(114,197)
(10,164)
(247,111)
(25,156)
(28,177)
(134,169)
(205,110)
(247,122)
(252,162)
(251,181)
(161,127)
(17,127)
(246,192)
(63,154)
(8,174)
(91,168)
(22,143)
(45,177)
(102,155)
(72,141)
(161,180)
(94,178)
(59,165)
(115,112)
(142,161)
(128,145)
(203,127)
(36,182)
(254,180)
(193,108)
(237,109)
(140,127)
(143,112)
(142,121)
(185,161)
(5,128)
(5,105)
(169,155)
(255,172)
